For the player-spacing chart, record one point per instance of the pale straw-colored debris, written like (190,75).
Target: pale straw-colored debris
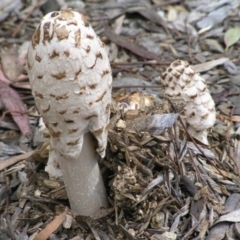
(182,83)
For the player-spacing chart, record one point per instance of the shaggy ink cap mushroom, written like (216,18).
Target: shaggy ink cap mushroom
(71,82)
(182,82)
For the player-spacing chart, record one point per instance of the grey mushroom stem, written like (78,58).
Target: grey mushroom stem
(83,180)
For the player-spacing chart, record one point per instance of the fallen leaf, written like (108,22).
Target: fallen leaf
(231,36)
(151,15)
(10,64)
(214,45)
(133,47)
(15,106)
(214,17)
(232,202)
(154,124)
(51,227)
(203,67)
(233,216)
(218,231)
(235,118)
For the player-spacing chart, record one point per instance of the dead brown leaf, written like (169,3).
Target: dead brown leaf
(133,47)
(10,64)
(52,226)
(15,106)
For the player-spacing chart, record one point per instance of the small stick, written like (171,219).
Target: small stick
(19,27)
(10,161)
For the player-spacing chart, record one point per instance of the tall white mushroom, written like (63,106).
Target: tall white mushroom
(71,82)
(182,82)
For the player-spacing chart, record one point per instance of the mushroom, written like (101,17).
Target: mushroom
(182,83)
(71,82)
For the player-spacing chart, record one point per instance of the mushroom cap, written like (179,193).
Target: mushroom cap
(71,81)
(182,82)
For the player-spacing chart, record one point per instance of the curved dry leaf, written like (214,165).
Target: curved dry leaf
(10,64)
(231,36)
(52,226)
(14,104)
(233,216)
(214,45)
(215,17)
(206,66)
(218,231)
(154,124)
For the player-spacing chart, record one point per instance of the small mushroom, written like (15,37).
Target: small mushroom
(71,82)
(182,83)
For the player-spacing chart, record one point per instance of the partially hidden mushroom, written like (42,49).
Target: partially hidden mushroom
(182,83)
(71,82)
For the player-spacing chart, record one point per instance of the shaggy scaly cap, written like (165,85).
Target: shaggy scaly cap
(182,82)
(71,81)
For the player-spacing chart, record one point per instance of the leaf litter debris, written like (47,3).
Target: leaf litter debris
(161,183)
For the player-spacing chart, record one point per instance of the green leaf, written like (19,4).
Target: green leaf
(231,37)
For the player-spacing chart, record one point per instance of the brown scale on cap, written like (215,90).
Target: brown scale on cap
(68,121)
(105,72)
(39,95)
(54,134)
(88,49)
(74,143)
(77,36)
(76,111)
(93,86)
(46,34)
(82,91)
(47,109)
(59,76)
(62,112)
(54,54)
(77,73)
(38,58)
(61,97)
(91,116)
(36,37)
(67,53)
(71,131)
(99,55)
(65,15)
(89,36)
(61,32)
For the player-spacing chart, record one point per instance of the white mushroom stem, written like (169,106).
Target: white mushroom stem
(71,82)
(87,191)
